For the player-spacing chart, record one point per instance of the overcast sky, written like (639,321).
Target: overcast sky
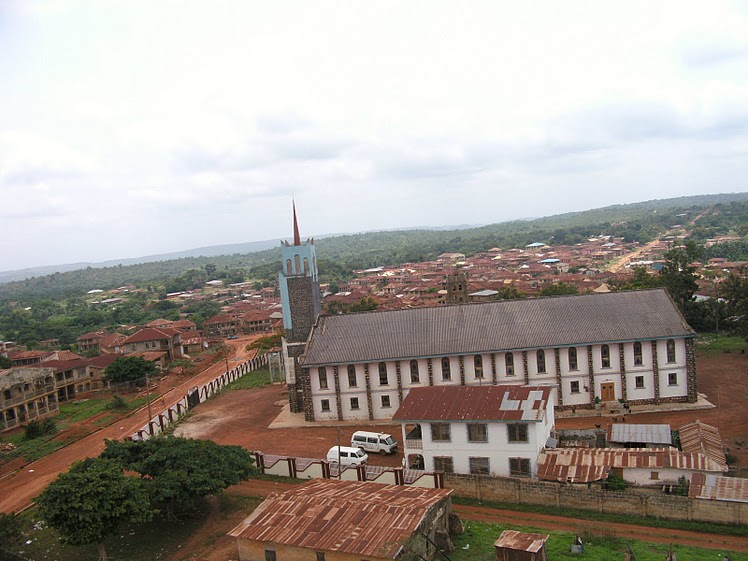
(131,128)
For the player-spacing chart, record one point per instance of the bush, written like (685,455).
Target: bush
(36,428)
(117,403)
(615,483)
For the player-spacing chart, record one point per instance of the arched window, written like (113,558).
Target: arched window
(352,382)
(306,266)
(297,262)
(322,378)
(541,362)
(671,350)
(383,379)
(289,267)
(478,363)
(573,363)
(605,356)
(638,359)
(446,369)
(509,362)
(415,377)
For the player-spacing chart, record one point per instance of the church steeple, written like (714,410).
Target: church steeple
(296,235)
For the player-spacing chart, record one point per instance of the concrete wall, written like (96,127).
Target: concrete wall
(523,491)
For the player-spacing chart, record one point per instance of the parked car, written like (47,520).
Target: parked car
(231,337)
(348,456)
(378,442)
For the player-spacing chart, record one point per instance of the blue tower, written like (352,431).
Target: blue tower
(301,302)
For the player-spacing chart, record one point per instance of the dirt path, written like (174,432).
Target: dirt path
(18,488)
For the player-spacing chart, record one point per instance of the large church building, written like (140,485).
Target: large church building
(629,346)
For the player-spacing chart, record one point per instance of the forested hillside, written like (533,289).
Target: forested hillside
(340,255)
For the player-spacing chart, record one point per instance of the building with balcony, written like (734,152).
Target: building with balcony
(480,430)
(26,393)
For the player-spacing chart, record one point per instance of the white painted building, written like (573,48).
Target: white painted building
(487,430)
(630,346)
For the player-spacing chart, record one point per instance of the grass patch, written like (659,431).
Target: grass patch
(598,546)
(77,411)
(256,379)
(710,344)
(650,522)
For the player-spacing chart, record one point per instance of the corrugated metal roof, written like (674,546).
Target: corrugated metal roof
(700,437)
(521,541)
(494,326)
(474,403)
(580,465)
(718,488)
(366,519)
(628,432)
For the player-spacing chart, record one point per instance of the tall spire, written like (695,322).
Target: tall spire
(296,235)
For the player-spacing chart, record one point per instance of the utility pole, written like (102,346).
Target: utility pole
(148,399)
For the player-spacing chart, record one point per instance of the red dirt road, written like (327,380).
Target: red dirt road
(17,489)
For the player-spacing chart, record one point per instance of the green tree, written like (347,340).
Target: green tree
(559,289)
(11,530)
(678,274)
(735,291)
(510,293)
(5,362)
(129,369)
(640,279)
(91,501)
(182,471)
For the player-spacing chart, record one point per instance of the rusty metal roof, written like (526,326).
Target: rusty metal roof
(494,327)
(700,437)
(718,488)
(364,519)
(474,403)
(520,541)
(628,432)
(583,465)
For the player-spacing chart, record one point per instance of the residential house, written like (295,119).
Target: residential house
(333,520)
(26,393)
(486,430)
(151,339)
(633,435)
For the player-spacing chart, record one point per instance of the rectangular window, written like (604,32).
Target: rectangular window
(322,378)
(574,387)
(385,402)
(384,379)
(672,379)
(320,556)
(354,403)
(655,475)
(519,467)
(269,555)
(444,463)
(440,432)
(479,466)
(477,432)
(325,408)
(517,432)
(639,382)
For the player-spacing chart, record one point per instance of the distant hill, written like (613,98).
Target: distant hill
(339,255)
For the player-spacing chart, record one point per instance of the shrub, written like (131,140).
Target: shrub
(117,403)
(615,483)
(37,428)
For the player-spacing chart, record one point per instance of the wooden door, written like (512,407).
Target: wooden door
(608,391)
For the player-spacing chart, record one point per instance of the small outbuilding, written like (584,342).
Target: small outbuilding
(520,546)
(332,520)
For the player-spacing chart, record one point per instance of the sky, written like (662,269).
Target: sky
(132,128)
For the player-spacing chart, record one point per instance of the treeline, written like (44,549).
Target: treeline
(339,256)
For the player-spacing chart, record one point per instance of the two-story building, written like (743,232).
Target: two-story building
(26,393)
(151,339)
(486,430)
(629,346)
